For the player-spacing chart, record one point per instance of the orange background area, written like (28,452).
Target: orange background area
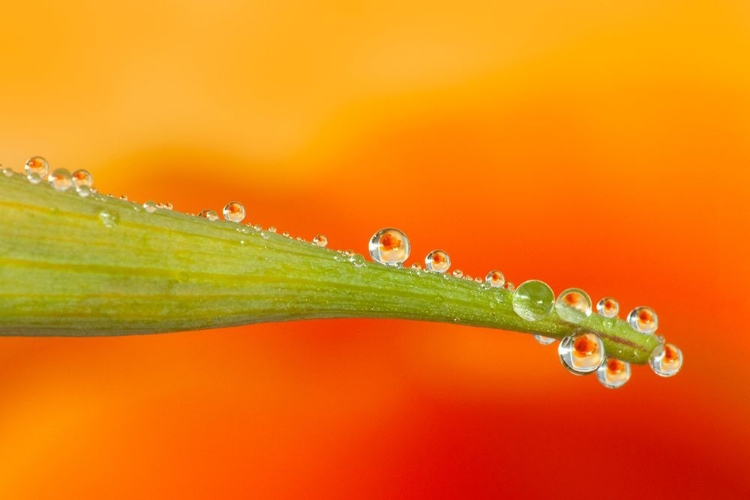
(604,145)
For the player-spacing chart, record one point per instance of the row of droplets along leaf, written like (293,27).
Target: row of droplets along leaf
(583,351)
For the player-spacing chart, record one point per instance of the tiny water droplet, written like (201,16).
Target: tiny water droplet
(478,280)
(533,300)
(495,279)
(234,211)
(108,219)
(348,253)
(168,206)
(209,214)
(286,234)
(82,178)
(643,319)
(582,352)
(320,240)
(389,246)
(437,261)
(60,179)
(608,307)
(573,305)
(666,360)
(84,191)
(614,373)
(510,286)
(544,340)
(150,206)
(264,235)
(271,229)
(124,197)
(7,172)
(458,273)
(357,260)
(416,266)
(36,168)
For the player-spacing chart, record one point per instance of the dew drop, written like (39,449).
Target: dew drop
(234,211)
(614,373)
(573,305)
(7,172)
(458,273)
(643,319)
(320,240)
(84,191)
(209,214)
(544,340)
(150,206)
(416,266)
(478,280)
(271,229)
(582,352)
(390,247)
(510,286)
(124,197)
(666,360)
(60,179)
(357,260)
(533,300)
(108,219)
(82,178)
(495,279)
(36,168)
(286,234)
(608,307)
(437,261)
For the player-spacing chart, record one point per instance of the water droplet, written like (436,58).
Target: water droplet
(82,178)
(36,168)
(286,235)
(437,261)
(124,197)
(416,266)
(7,172)
(573,305)
(357,260)
(348,253)
(582,352)
(168,206)
(510,286)
(209,214)
(150,206)
(234,211)
(643,319)
(478,280)
(108,219)
(389,246)
(495,279)
(84,191)
(608,307)
(60,179)
(458,273)
(614,373)
(544,340)
(666,360)
(533,300)
(320,240)
(271,229)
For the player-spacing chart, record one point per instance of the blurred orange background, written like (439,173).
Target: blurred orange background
(604,145)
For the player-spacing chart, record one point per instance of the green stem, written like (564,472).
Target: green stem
(64,272)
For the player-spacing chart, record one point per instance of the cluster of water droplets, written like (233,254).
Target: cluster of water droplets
(583,351)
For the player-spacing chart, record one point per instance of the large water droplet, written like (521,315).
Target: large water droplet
(643,319)
(582,352)
(150,206)
(320,240)
(234,211)
(389,246)
(533,300)
(614,373)
(608,307)
(437,261)
(109,219)
(82,178)
(209,214)
(36,168)
(666,360)
(495,279)
(573,305)
(60,179)
(544,340)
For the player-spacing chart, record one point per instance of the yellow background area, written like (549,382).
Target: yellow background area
(603,145)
